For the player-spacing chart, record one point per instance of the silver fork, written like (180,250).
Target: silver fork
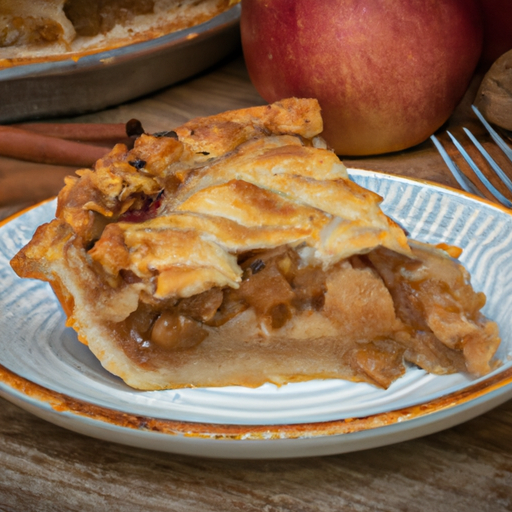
(465,183)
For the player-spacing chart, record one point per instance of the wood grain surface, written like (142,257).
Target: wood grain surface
(46,468)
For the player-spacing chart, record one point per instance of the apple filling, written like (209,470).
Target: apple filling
(90,18)
(363,319)
(87,18)
(273,285)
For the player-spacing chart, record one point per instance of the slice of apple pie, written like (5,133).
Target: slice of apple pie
(235,250)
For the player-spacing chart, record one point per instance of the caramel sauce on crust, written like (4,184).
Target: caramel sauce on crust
(62,403)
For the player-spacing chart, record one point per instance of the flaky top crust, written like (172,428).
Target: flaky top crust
(220,195)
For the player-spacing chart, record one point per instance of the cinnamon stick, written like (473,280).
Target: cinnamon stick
(34,147)
(87,132)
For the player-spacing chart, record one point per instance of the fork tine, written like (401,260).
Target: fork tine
(462,180)
(488,185)
(497,169)
(499,141)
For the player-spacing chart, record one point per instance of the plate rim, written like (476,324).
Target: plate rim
(13,384)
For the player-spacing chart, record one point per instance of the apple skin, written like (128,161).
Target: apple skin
(387,73)
(497,19)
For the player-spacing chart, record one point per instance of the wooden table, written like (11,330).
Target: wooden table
(47,468)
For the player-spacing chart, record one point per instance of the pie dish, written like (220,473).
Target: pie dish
(74,84)
(235,250)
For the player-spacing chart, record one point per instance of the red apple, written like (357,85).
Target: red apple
(387,73)
(497,17)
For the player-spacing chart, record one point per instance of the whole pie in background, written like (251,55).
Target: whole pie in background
(42,30)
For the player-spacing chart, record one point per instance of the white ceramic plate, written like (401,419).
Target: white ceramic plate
(45,370)
(94,82)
